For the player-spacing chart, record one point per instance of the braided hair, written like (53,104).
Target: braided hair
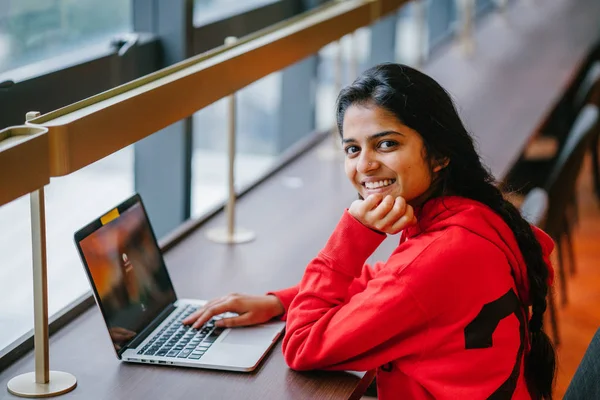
(420,103)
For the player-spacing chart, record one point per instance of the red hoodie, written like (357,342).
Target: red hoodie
(443,318)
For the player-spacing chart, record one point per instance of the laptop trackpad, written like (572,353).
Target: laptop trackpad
(254,335)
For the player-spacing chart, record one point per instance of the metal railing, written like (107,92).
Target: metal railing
(89,130)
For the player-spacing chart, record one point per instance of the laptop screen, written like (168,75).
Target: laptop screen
(127,270)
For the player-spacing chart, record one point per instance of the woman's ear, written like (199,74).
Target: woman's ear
(441,164)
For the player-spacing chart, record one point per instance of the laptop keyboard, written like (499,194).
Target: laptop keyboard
(176,340)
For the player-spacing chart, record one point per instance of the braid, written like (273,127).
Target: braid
(540,363)
(537,271)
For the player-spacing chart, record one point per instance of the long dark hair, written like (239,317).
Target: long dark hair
(420,103)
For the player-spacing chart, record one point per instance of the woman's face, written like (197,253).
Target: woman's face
(383,155)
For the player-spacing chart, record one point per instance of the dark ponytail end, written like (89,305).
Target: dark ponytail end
(536,322)
(540,365)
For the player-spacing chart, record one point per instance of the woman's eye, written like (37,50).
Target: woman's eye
(351,149)
(386,144)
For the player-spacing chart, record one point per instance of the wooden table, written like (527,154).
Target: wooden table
(83,350)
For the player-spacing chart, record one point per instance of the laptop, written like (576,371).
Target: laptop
(142,313)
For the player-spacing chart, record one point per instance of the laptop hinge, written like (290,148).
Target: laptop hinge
(148,330)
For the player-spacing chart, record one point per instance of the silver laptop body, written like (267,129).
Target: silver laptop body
(142,313)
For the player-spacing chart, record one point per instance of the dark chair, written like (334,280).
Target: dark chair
(573,99)
(559,178)
(583,92)
(532,170)
(587,92)
(590,92)
(561,181)
(585,384)
(534,209)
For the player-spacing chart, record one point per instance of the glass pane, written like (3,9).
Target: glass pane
(411,37)
(256,142)
(16,280)
(354,58)
(206,11)
(71,202)
(358,46)
(34,30)
(327,86)
(441,15)
(209,184)
(483,5)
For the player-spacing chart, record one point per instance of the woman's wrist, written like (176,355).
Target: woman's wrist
(278,308)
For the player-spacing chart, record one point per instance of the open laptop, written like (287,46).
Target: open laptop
(143,315)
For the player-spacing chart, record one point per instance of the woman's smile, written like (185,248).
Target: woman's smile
(378,185)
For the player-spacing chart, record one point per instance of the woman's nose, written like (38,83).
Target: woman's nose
(366,164)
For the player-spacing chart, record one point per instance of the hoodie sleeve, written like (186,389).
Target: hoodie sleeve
(326,329)
(286,296)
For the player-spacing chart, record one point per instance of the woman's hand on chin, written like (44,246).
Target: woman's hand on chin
(384,214)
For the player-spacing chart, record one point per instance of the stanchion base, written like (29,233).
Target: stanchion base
(25,386)
(221,235)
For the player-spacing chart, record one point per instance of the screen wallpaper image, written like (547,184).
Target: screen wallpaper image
(129,274)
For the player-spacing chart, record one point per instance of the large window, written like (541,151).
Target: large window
(35,30)
(71,202)
(37,37)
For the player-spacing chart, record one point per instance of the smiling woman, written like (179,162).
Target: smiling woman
(467,269)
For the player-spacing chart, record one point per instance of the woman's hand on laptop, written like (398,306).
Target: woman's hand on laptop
(251,310)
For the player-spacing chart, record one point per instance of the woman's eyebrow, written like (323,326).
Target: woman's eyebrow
(374,137)
(382,134)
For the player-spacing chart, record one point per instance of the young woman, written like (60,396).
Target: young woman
(456,311)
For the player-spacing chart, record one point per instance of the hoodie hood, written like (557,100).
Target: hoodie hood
(440,213)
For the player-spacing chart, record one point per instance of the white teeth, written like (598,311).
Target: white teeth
(379,184)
